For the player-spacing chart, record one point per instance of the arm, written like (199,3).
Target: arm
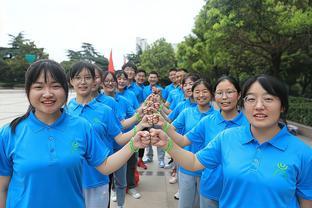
(4,184)
(123,138)
(305,203)
(185,158)
(119,158)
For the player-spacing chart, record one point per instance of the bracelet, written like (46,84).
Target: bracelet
(165,127)
(135,130)
(137,116)
(169,145)
(132,148)
(161,107)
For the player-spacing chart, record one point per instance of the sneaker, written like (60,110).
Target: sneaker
(147,160)
(173,179)
(134,193)
(141,164)
(169,165)
(177,196)
(113,196)
(161,164)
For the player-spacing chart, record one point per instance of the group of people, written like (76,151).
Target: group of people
(229,145)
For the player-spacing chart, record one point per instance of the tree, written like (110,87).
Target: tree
(87,53)
(16,66)
(249,37)
(158,57)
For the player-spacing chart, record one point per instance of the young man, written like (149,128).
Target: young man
(173,85)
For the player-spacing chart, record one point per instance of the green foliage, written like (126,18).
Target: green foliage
(243,38)
(13,69)
(158,57)
(300,110)
(87,53)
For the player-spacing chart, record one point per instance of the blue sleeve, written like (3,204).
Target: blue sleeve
(197,133)
(169,99)
(165,93)
(97,151)
(6,167)
(211,155)
(113,126)
(304,183)
(179,122)
(136,104)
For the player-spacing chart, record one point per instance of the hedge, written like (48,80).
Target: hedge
(300,110)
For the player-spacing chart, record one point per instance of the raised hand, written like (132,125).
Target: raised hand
(158,138)
(142,139)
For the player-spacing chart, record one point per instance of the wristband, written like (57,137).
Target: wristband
(166,127)
(137,116)
(169,145)
(161,107)
(135,130)
(132,148)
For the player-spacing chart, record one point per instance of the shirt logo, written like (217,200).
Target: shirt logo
(74,146)
(281,170)
(96,120)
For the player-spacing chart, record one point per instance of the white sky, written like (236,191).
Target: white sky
(58,25)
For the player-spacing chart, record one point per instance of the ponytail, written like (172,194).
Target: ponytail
(16,121)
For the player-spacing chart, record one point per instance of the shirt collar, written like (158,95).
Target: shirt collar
(238,119)
(76,105)
(37,125)
(279,140)
(211,110)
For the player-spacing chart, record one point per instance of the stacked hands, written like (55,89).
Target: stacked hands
(153,121)
(155,137)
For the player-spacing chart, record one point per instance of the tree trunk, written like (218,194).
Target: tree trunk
(276,63)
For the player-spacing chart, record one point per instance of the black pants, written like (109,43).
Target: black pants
(141,153)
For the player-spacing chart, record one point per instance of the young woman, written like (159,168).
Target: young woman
(263,165)
(227,95)
(122,83)
(187,119)
(42,152)
(125,174)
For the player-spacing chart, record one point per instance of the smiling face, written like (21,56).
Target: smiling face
(187,87)
(130,72)
(122,82)
(47,97)
(140,78)
(109,84)
(226,96)
(83,83)
(98,80)
(261,108)
(201,95)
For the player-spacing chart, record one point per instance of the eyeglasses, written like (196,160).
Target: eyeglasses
(106,82)
(80,79)
(266,100)
(228,93)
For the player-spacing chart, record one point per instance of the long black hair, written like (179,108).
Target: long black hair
(47,67)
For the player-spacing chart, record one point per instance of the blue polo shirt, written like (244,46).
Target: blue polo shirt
(180,107)
(138,91)
(167,90)
(109,101)
(45,161)
(203,133)
(127,112)
(187,119)
(175,97)
(130,96)
(106,125)
(272,174)
(147,90)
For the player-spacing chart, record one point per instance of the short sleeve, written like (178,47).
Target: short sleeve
(175,113)
(6,167)
(197,133)
(211,155)
(114,126)
(304,183)
(179,122)
(97,151)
